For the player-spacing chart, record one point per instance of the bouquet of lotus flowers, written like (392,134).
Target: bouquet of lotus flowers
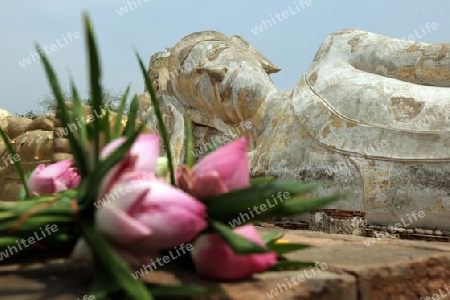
(120,205)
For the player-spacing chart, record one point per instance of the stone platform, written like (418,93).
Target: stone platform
(387,269)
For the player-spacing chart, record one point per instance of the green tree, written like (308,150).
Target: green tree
(48,103)
(30,114)
(111,100)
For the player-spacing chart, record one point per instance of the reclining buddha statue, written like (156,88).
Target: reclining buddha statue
(370,118)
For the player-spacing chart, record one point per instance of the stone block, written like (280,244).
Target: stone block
(338,221)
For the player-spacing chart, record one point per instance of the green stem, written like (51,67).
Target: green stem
(37,229)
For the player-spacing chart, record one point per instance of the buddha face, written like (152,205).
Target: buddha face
(225,78)
(219,82)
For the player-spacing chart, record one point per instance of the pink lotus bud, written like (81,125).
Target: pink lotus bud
(221,171)
(142,157)
(149,215)
(60,176)
(213,258)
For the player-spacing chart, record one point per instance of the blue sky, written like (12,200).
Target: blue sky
(152,26)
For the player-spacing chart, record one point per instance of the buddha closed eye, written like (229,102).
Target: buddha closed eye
(213,53)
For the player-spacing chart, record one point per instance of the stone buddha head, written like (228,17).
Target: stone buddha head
(209,74)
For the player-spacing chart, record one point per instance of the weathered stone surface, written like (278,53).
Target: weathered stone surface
(68,281)
(387,269)
(323,285)
(32,140)
(53,281)
(364,120)
(338,221)
(4,113)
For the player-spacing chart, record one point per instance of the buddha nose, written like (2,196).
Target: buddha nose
(216,73)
